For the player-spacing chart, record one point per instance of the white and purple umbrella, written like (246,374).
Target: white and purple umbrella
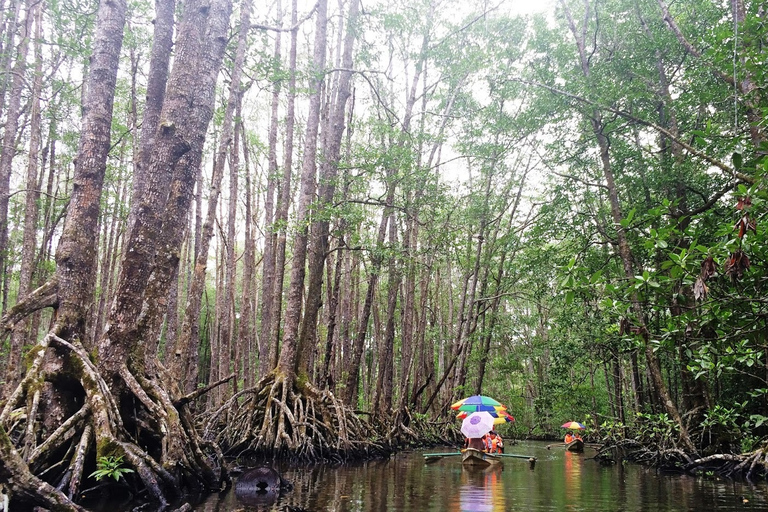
(477,424)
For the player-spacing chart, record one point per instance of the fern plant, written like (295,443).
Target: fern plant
(110,466)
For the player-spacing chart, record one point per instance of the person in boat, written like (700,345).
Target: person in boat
(494,443)
(569,438)
(477,443)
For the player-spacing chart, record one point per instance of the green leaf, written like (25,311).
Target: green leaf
(737,159)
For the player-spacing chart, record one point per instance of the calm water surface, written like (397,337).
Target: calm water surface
(560,481)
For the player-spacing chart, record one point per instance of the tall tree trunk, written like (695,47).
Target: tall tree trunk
(625,252)
(155,95)
(383,404)
(353,373)
(289,361)
(185,364)
(10,130)
(159,63)
(76,252)
(231,132)
(328,176)
(270,240)
(21,332)
(247,329)
(275,297)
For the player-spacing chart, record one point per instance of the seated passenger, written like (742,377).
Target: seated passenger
(495,444)
(476,443)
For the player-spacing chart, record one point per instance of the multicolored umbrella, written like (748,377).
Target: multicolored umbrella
(477,424)
(477,403)
(504,417)
(575,425)
(499,417)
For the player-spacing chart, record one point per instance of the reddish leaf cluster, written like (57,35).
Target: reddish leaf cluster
(736,264)
(744,203)
(745,224)
(708,269)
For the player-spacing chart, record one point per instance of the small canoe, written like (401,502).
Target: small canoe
(472,457)
(577,445)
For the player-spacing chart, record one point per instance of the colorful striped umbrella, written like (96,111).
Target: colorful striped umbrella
(499,417)
(574,425)
(477,403)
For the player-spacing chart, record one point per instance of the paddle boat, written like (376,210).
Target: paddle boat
(577,446)
(474,457)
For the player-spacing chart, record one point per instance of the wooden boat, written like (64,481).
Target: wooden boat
(577,445)
(473,457)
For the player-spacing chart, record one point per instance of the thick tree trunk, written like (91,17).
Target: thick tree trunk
(159,63)
(185,361)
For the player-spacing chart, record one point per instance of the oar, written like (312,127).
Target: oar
(529,457)
(432,457)
(555,444)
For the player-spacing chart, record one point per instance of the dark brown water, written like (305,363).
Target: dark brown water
(560,481)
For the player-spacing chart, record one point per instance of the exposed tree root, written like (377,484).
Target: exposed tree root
(287,417)
(406,430)
(747,465)
(142,425)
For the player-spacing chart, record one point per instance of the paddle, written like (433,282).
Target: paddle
(529,457)
(432,457)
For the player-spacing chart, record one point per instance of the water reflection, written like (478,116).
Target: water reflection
(572,464)
(560,481)
(482,489)
(257,499)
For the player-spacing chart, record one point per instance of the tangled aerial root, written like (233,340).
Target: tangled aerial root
(162,446)
(285,416)
(747,465)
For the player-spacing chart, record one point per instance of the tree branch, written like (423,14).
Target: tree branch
(626,115)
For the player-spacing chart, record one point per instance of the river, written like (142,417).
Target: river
(559,481)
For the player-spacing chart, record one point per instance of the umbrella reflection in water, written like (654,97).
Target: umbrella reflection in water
(572,477)
(482,490)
